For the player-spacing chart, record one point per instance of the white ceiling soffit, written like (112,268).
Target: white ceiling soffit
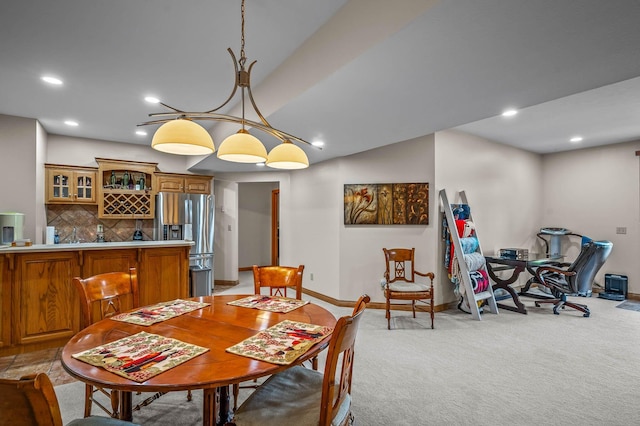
(570,67)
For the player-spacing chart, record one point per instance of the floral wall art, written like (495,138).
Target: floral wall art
(386,204)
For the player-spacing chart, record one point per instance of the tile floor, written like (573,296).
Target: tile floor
(44,361)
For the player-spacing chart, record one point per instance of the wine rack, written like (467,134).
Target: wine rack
(127,204)
(126,189)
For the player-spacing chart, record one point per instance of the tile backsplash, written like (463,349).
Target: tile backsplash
(85,218)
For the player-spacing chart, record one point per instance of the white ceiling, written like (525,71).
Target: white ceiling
(357,74)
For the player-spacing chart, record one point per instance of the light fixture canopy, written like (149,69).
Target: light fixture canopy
(182,137)
(241,147)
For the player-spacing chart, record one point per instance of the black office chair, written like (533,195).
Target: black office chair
(577,279)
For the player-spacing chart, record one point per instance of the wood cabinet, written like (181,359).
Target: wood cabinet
(101,261)
(125,189)
(5,302)
(163,275)
(70,185)
(46,304)
(40,308)
(176,182)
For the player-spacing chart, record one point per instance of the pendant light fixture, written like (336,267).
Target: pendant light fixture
(179,134)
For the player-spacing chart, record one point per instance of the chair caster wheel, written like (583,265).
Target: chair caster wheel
(537,304)
(586,315)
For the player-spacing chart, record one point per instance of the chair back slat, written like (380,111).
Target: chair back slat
(278,279)
(399,264)
(29,401)
(107,290)
(341,347)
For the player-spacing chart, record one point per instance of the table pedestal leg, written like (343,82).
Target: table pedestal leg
(209,407)
(225,415)
(126,412)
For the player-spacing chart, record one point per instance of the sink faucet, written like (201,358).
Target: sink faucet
(74,237)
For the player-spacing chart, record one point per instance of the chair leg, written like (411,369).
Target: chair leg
(388,314)
(88,396)
(236,391)
(432,314)
(115,403)
(562,302)
(413,307)
(189,396)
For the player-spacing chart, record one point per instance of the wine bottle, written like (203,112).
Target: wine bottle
(125,180)
(141,182)
(113,179)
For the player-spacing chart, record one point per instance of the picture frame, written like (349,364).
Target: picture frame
(386,204)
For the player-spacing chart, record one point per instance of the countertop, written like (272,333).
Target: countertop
(94,246)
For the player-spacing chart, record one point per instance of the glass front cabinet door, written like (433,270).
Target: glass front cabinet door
(69,185)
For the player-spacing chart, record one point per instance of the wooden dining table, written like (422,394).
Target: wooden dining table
(216,327)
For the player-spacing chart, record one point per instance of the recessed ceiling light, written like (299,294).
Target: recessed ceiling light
(71,123)
(51,80)
(576,139)
(141,133)
(317,143)
(509,112)
(152,99)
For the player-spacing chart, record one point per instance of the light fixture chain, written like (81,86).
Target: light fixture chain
(243,59)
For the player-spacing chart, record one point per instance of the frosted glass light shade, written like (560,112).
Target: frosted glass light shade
(183,137)
(287,156)
(242,147)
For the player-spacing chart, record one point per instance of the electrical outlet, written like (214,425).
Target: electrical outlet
(311,276)
(621,230)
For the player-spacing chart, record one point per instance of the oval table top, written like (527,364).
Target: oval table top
(217,327)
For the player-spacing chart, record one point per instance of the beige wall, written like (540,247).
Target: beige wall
(592,192)
(82,152)
(20,187)
(512,193)
(503,188)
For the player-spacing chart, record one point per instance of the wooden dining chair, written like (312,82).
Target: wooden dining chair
(31,401)
(278,279)
(400,281)
(302,396)
(102,296)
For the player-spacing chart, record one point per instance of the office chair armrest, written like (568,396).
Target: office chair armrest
(553,269)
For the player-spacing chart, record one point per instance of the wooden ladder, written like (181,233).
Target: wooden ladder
(472,297)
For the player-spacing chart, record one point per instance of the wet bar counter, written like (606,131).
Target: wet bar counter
(39,308)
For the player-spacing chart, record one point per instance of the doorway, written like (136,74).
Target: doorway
(275,227)
(258,224)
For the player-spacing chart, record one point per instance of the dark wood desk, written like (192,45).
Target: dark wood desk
(517,266)
(216,327)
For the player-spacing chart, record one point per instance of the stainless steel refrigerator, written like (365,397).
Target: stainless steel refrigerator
(189,217)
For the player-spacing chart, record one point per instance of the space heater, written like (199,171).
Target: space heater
(615,287)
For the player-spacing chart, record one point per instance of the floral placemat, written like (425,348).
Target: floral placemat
(283,343)
(159,312)
(141,356)
(269,303)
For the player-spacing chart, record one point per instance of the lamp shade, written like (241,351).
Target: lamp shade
(287,156)
(242,147)
(183,137)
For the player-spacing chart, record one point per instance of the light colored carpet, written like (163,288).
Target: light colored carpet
(508,369)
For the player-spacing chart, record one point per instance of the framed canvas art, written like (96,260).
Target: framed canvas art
(386,204)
